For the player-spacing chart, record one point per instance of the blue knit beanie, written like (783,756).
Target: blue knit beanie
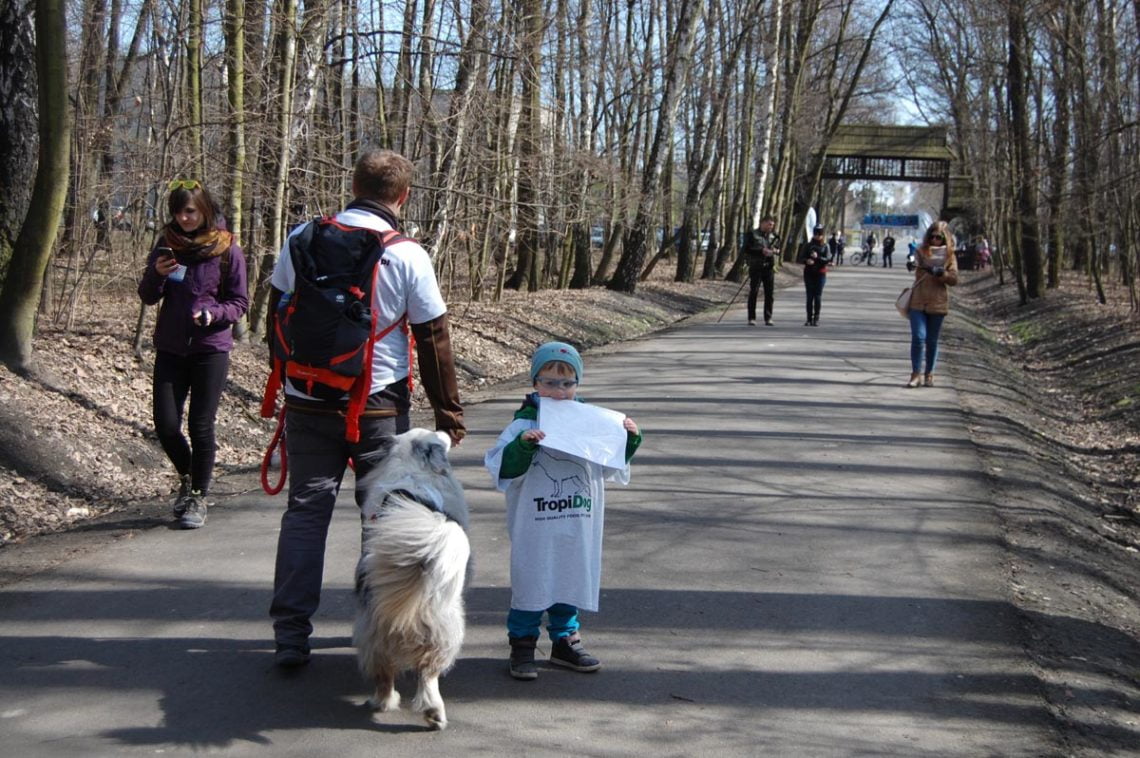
(555,351)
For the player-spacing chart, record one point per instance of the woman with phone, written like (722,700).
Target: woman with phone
(197,271)
(936,269)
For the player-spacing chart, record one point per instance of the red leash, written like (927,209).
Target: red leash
(274,445)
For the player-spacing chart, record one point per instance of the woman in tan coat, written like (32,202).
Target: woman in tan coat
(936,270)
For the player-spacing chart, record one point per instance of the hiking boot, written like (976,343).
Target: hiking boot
(183,498)
(522,658)
(194,517)
(568,652)
(291,656)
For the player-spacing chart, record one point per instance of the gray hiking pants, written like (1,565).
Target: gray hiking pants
(317,455)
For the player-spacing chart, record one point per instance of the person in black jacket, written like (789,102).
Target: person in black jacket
(815,256)
(888,249)
(762,246)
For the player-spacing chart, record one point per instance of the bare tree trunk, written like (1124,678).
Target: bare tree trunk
(634,248)
(17,120)
(193,98)
(1025,184)
(235,97)
(402,86)
(470,78)
(1060,148)
(768,100)
(285,49)
(20,295)
(529,147)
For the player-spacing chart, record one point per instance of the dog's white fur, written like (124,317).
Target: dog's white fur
(412,568)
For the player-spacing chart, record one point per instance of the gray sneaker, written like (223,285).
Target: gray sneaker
(194,517)
(183,498)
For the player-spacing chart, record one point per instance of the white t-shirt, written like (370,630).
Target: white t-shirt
(406,285)
(555,517)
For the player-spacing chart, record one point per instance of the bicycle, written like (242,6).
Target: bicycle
(864,256)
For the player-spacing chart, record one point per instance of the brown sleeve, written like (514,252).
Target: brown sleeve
(437,373)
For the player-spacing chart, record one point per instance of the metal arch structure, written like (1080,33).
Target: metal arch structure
(918,154)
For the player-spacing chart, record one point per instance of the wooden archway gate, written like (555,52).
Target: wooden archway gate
(899,154)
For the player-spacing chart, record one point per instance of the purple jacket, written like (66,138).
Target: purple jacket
(175,331)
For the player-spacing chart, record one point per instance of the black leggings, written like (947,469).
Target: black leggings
(813,286)
(201,376)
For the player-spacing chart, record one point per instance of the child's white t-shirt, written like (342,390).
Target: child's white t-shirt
(406,284)
(555,517)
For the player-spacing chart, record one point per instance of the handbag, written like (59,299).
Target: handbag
(902,302)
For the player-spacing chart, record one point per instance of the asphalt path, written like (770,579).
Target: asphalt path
(804,564)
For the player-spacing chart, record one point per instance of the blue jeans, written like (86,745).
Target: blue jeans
(562,621)
(318,457)
(924,331)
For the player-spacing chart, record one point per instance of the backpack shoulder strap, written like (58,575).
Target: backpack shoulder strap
(358,397)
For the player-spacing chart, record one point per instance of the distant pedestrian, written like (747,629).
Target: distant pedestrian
(983,253)
(937,270)
(869,247)
(839,246)
(762,246)
(555,563)
(888,251)
(198,272)
(815,256)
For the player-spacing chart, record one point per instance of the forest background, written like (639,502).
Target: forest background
(562,147)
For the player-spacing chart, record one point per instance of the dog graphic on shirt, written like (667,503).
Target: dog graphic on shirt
(572,484)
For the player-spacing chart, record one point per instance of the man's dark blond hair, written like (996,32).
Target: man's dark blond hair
(381,175)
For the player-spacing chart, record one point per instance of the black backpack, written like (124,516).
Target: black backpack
(326,329)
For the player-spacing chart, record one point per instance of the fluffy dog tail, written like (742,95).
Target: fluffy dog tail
(410,586)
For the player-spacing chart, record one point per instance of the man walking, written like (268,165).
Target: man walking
(319,431)
(762,245)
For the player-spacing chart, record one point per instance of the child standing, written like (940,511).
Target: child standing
(555,562)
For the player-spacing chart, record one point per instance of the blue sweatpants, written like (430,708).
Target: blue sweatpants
(562,621)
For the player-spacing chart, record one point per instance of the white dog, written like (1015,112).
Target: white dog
(409,582)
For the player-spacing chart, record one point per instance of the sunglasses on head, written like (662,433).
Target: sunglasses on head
(186,184)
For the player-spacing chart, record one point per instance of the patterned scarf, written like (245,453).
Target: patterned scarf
(202,245)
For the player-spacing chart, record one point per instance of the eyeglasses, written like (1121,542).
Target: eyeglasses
(186,184)
(937,238)
(556,384)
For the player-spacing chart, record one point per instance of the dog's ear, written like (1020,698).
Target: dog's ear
(434,452)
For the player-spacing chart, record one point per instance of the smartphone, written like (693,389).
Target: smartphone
(179,273)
